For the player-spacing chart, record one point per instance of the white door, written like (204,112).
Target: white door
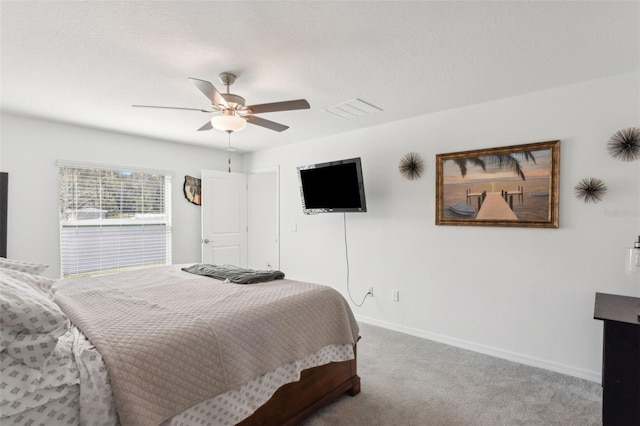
(264,228)
(224,218)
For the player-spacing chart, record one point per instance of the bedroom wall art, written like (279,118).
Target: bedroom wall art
(513,186)
(625,144)
(192,189)
(411,166)
(590,190)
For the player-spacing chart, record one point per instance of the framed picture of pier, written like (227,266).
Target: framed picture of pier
(507,186)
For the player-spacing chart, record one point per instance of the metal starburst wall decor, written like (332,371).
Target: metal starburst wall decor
(411,166)
(625,144)
(590,190)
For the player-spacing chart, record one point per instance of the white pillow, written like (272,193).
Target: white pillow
(38,282)
(16,265)
(30,322)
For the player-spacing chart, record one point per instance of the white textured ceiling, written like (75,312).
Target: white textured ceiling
(87,62)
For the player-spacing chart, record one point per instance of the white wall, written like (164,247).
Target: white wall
(520,293)
(30,149)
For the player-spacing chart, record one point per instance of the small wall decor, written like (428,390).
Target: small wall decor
(590,190)
(508,186)
(192,189)
(411,166)
(625,144)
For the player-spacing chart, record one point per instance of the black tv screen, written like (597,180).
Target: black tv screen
(336,186)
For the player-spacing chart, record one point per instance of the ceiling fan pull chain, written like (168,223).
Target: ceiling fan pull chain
(229,152)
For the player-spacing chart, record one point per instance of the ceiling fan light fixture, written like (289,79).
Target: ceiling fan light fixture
(228,123)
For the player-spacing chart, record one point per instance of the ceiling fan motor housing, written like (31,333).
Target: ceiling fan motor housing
(234,101)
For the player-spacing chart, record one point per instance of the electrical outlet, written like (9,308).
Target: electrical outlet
(370,292)
(396,295)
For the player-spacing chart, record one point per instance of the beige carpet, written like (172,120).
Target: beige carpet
(407,380)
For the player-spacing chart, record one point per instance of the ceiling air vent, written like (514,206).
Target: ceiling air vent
(349,110)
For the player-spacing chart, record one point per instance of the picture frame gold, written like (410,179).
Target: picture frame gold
(512,186)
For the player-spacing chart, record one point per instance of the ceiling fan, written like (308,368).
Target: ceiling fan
(234,113)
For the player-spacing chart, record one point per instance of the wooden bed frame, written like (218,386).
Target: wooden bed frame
(317,387)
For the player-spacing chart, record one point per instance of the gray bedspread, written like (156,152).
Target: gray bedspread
(171,339)
(233,273)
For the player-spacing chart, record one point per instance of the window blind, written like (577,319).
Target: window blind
(113,220)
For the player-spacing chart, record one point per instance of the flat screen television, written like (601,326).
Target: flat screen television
(336,186)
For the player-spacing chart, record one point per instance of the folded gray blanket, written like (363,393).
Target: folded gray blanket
(233,273)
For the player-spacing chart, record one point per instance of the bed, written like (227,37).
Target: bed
(164,346)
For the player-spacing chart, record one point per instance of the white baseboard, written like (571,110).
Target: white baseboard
(581,373)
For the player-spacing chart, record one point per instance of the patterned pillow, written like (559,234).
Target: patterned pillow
(16,265)
(30,323)
(40,283)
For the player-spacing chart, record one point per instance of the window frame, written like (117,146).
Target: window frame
(109,242)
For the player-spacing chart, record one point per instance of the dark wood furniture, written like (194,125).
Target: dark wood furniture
(620,358)
(317,387)
(4,187)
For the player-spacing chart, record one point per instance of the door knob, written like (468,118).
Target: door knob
(206,241)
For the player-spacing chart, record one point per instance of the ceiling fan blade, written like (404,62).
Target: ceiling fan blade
(166,107)
(206,126)
(279,106)
(210,92)
(266,123)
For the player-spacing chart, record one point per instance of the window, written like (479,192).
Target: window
(113,220)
